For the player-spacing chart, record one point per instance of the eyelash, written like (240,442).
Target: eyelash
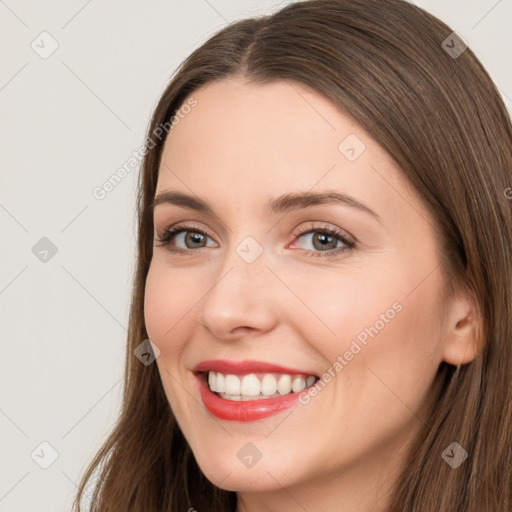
(170,233)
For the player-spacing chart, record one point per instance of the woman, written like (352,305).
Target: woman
(324,273)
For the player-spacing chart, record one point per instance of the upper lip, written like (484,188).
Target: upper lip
(244,367)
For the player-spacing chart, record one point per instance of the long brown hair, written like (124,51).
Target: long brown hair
(438,114)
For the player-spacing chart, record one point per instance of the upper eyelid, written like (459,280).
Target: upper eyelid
(303,231)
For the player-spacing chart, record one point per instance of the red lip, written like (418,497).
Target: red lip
(244,367)
(249,410)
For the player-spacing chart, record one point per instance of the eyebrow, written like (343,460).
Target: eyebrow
(281,204)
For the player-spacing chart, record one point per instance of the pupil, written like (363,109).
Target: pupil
(195,237)
(323,237)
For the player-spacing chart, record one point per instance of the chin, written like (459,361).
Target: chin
(248,481)
(230,474)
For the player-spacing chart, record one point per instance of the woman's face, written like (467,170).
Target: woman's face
(271,285)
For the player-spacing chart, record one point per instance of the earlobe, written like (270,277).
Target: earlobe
(463,339)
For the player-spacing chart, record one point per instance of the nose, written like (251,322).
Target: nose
(243,299)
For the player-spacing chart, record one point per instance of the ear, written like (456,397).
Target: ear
(463,339)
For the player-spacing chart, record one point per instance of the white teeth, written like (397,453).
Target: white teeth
(284,386)
(212,381)
(268,385)
(220,382)
(250,386)
(232,385)
(257,386)
(298,383)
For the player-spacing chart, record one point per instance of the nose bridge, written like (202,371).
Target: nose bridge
(239,296)
(245,264)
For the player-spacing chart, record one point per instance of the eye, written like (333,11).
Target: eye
(192,236)
(325,241)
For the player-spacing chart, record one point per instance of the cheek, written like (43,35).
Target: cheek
(168,312)
(381,356)
(170,303)
(344,305)
(377,320)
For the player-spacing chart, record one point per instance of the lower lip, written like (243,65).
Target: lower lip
(250,410)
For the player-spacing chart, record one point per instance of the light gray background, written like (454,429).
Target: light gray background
(68,123)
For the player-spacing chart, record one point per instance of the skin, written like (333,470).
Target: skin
(240,146)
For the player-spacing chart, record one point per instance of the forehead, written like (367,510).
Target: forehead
(261,140)
(258,124)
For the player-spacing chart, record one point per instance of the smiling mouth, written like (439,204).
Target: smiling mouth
(256,386)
